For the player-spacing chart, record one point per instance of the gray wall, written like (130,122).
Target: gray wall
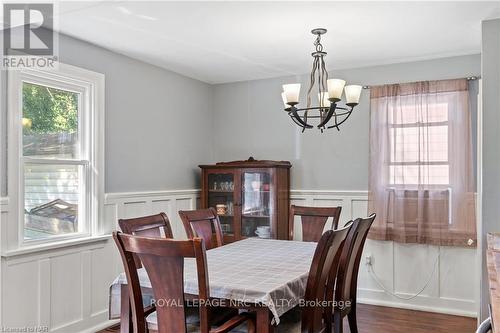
(250,121)
(158,123)
(491,130)
(186,122)
(3,133)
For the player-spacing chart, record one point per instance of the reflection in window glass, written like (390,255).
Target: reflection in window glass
(51,196)
(50,122)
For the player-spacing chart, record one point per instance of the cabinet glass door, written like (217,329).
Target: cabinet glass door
(220,196)
(256,210)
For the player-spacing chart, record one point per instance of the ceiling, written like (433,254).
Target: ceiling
(219,42)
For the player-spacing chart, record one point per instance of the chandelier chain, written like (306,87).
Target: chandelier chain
(317,43)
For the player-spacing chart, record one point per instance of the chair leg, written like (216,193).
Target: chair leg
(351,317)
(337,323)
(251,326)
(328,316)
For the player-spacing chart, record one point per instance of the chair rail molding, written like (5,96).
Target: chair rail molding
(69,286)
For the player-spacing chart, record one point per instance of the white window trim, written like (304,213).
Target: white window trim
(92,82)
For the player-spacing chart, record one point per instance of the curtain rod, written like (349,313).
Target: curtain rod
(468,78)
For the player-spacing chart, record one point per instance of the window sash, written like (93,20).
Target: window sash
(69,85)
(84,202)
(84,197)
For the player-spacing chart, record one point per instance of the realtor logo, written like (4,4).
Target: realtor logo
(29,39)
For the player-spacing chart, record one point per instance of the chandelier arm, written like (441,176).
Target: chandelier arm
(343,120)
(297,117)
(331,111)
(336,122)
(295,121)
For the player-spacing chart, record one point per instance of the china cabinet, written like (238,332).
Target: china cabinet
(252,197)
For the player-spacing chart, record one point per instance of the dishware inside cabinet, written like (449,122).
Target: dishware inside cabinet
(221,197)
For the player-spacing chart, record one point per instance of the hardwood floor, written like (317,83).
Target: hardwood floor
(379,319)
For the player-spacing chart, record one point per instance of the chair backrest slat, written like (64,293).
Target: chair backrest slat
(313,220)
(147,226)
(156,226)
(347,276)
(163,260)
(203,223)
(325,260)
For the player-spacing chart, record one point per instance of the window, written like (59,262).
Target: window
(419,147)
(57,124)
(421,183)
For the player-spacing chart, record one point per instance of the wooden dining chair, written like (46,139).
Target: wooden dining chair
(342,286)
(203,223)
(326,259)
(163,260)
(313,220)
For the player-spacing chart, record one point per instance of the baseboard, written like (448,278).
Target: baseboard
(101,326)
(453,307)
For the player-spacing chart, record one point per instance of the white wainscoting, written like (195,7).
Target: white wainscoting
(66,289)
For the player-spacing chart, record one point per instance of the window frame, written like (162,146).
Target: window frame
(392,163)
(90,86)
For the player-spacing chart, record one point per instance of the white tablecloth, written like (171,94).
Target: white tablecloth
(261,271)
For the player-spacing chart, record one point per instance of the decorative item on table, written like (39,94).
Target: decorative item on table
(263,231)
(221,209)
(329,95)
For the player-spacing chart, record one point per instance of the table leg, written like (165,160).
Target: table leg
(125,311)
(264,320)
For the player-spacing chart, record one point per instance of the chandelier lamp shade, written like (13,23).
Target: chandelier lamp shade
(327,113)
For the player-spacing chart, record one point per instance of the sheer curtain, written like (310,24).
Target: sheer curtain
(421,182)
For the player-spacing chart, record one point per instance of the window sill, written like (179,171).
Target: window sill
(55,245)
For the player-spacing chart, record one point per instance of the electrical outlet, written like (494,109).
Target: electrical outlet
(368,260)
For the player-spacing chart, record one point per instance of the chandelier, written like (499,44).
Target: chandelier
(328,114)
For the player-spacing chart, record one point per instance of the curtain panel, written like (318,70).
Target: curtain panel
(421,182)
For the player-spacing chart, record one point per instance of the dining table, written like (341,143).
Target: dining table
(265,276)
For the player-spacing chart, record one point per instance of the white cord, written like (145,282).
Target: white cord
(374,276)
